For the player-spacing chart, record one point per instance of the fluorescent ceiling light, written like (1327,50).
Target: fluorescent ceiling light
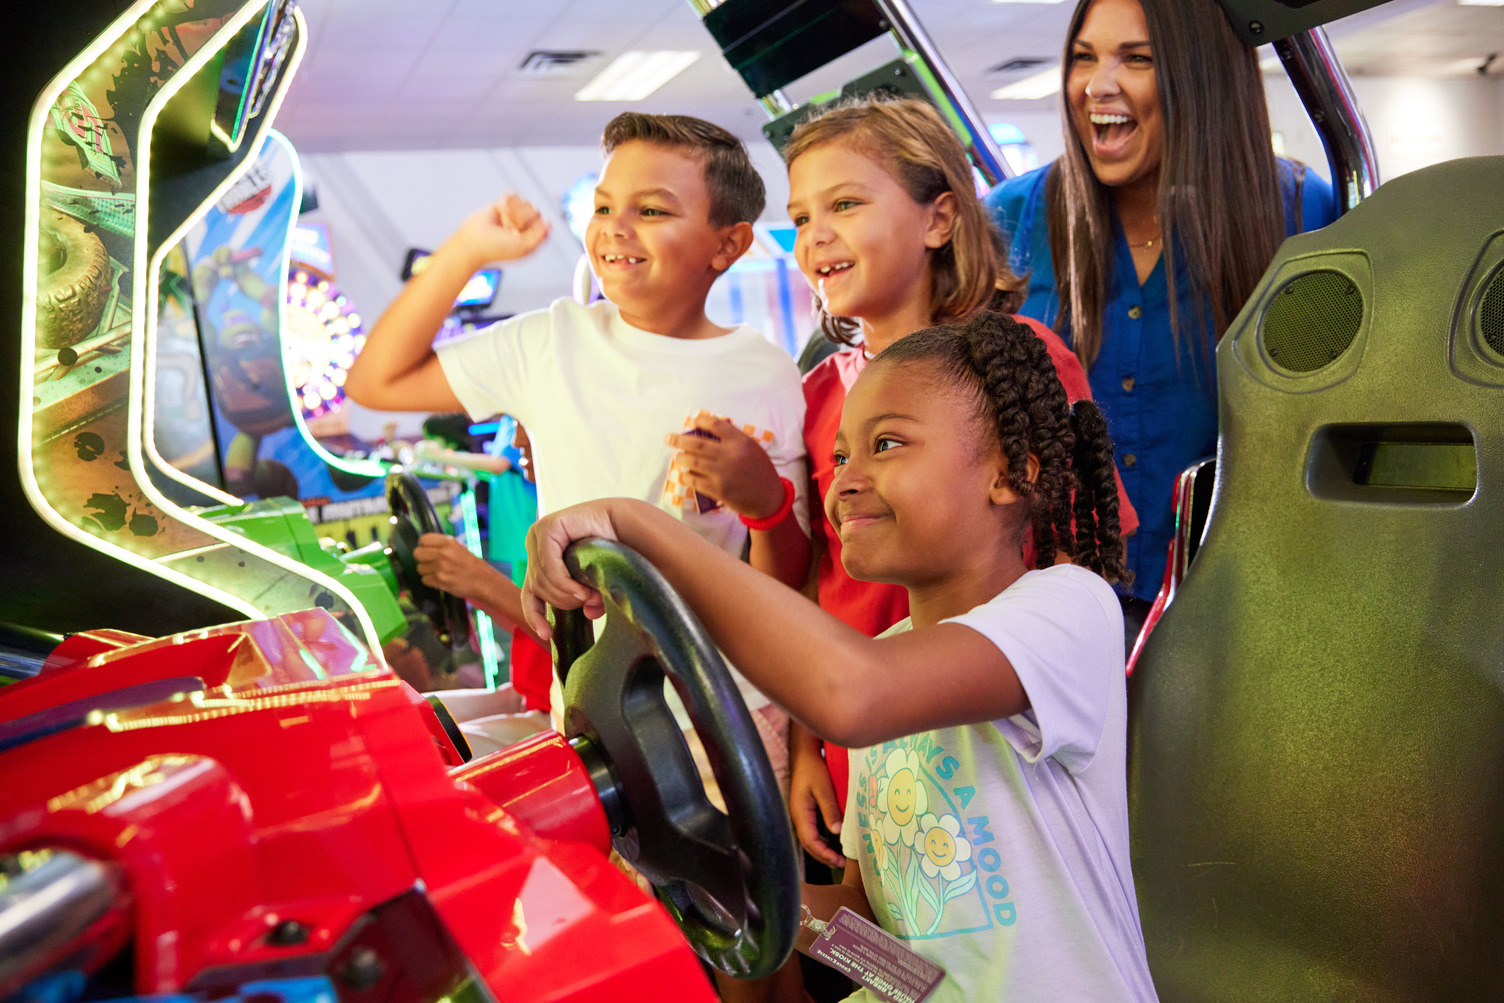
(1038,85)
(1481,3)
(1057,1)
(634,75)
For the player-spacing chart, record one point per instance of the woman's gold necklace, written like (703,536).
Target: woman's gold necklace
(1147,243)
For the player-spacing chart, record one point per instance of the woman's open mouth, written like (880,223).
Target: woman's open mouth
(1111,132)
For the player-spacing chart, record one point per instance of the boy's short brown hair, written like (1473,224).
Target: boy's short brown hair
(736,189)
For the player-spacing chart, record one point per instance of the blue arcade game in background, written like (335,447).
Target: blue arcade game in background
(261,431)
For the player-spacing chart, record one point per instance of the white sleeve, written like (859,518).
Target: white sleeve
(1062,631)
(787,453)
(491,370)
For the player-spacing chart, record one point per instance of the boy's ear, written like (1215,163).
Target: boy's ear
(735,239)
(942,221)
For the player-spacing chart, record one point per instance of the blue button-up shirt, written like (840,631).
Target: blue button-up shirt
(1160,403)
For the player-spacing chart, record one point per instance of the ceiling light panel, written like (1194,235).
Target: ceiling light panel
(1031,88)
(634,75)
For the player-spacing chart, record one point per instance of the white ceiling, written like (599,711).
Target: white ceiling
(380,75)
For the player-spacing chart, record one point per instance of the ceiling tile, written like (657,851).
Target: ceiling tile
(376,64)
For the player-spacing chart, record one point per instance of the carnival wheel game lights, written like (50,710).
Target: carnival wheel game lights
(322,335)
(155,774)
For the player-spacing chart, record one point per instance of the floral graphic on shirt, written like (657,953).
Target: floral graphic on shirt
(902,797)
(936,874)
(945,849)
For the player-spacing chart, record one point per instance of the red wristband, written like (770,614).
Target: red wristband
(780,515)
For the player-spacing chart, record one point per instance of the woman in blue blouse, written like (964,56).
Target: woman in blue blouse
(1145,238)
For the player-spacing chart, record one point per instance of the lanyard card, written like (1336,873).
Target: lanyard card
(868,954)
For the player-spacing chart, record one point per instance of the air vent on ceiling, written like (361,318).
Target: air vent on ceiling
(1018,63)
(558,62)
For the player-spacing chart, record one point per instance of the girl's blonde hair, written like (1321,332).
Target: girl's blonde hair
(910,139)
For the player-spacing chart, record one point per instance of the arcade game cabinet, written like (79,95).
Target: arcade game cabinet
(136,135)
(260,810)
(772,43)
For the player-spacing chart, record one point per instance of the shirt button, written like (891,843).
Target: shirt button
(1134,313)
(1129,459)
(1128,383)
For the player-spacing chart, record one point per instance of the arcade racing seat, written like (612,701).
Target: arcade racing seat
(1317,723)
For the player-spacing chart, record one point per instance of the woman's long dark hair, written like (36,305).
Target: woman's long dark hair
(1019,398)
(1220,212)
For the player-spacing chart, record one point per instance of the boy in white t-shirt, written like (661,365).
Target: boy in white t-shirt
(603,388)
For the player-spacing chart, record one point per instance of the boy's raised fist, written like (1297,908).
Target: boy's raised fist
(507,229)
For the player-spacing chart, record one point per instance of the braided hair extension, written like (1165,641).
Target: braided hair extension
(1099,543)
(1019,396)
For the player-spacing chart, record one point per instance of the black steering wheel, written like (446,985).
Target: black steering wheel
(412,516)
(728,878)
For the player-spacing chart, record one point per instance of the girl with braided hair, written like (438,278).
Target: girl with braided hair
(986,822)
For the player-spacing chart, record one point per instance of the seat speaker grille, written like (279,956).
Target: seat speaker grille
(1312,320)
(1491,314)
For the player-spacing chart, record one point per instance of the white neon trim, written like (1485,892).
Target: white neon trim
(262,130)
(143,303)
(29,258)
(25,457)
(363,468)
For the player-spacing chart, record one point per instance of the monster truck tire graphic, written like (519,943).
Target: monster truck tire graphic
(75,281)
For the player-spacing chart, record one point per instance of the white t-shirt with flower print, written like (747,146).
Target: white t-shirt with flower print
(999,850)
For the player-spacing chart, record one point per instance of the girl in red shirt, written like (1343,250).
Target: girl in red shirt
(893,239)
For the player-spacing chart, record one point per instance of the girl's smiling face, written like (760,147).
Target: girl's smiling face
(918,480)
(863,239)
(1113,94)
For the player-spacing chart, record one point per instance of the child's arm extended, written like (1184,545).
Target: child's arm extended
(736,471)
(824,901)
(398,370)
(446,563)
(843,685)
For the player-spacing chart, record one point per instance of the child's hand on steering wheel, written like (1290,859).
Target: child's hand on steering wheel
(448,565)
(548,581)
(736,471)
